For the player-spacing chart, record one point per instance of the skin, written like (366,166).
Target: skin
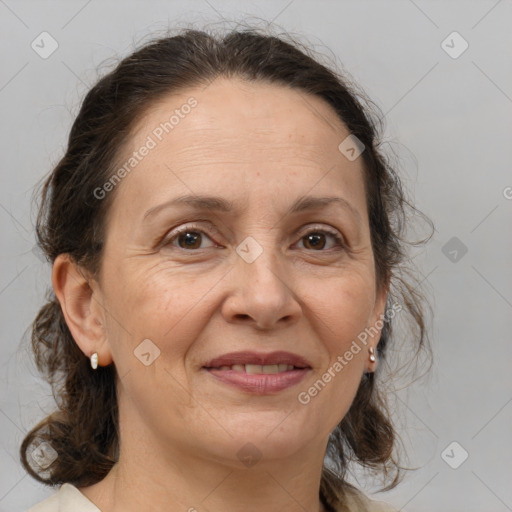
(261,146)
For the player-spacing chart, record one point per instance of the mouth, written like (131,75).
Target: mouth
(259,373)
(257,369)
(258,362)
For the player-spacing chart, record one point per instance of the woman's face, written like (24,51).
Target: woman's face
(254,277)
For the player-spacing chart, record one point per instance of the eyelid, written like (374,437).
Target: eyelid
(321,227)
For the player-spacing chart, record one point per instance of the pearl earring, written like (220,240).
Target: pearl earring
(94,361)
(372,355)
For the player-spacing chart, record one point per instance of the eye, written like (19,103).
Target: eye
(315,239)
(188,238)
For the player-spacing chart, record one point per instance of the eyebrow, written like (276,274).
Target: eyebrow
(221,204)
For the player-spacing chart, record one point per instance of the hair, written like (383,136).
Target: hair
(84,429)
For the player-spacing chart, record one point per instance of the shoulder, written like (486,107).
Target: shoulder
(67,499)
(358,501)
(380,506)
(341,496)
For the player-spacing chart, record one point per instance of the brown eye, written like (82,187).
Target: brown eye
(188,238)
(316,240)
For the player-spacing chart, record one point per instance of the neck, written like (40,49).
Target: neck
(145,478)
(252,491)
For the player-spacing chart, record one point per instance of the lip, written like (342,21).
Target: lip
(259,384)
(248,357)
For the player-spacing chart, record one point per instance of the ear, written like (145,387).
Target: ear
(82,307)
(376,324)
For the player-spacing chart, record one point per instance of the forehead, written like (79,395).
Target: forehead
(245,137)
(238,116)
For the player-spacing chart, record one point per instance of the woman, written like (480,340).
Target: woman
(226,241)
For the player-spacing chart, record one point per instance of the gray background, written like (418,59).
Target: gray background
(448,119)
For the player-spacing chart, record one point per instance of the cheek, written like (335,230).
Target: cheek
(339,322)
(344,306)
(166,310)
(342,313)
(160,306)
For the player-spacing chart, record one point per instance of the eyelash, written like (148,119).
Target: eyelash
(210,232)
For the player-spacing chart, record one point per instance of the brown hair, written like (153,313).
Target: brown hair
(84,430)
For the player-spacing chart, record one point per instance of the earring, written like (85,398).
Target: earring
(94,361)
(372,355)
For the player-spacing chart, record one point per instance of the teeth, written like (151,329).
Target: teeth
(270,368)
(255,369)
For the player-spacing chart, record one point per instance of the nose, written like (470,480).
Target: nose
(263,293)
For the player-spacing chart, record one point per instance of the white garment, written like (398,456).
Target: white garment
(67,499)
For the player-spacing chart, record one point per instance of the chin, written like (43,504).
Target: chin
(273,436)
